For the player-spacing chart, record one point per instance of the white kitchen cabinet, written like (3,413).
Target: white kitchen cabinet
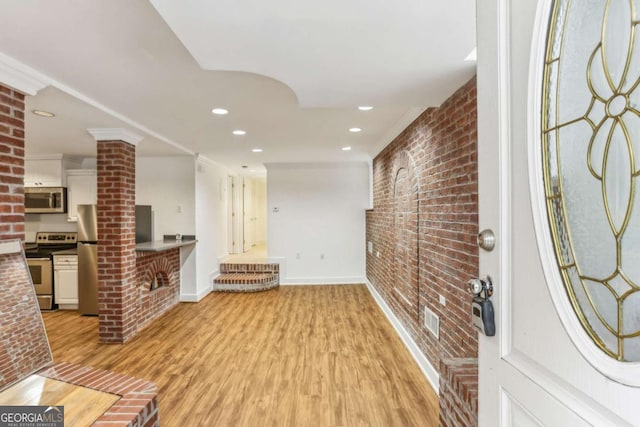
(43,173)
(82,189)
(65,281)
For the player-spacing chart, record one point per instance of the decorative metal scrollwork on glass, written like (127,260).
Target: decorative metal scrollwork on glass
(591,158)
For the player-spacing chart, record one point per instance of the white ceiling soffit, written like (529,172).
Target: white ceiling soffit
(334,53)
(116,63)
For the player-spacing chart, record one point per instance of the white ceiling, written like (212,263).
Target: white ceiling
(290,72)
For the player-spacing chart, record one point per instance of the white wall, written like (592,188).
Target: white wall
(46,222)
(318,233)
(260,208)
(167,184)
(211,225)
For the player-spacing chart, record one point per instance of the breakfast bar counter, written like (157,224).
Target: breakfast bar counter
(164,245)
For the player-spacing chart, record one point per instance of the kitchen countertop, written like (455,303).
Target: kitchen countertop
(163,245)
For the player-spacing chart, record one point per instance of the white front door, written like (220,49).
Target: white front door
(531,373)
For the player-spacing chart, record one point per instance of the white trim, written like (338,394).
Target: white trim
(347,280)
(573,399)
(21,77)
(48,81)
(505,316)
(370,201)
(624,372)
(430,373)
(115,134)
(400,126)
(507,402)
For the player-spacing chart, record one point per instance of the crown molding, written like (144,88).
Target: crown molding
(115,134)
(21,77)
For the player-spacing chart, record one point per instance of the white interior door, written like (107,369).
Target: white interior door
(247,212)
(531,373)
(231,215)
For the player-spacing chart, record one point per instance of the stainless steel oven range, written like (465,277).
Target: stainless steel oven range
(40,261)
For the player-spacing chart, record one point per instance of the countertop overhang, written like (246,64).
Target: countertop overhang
(164,245)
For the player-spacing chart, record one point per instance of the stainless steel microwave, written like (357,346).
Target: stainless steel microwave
(45,200)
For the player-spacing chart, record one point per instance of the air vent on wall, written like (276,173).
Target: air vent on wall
(432,322)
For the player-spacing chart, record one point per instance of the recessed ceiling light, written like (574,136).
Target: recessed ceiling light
(239,132)
(42,113)
(365,108)
(346,148)
(257,150)
(355,130)
(220,111)
(473,55)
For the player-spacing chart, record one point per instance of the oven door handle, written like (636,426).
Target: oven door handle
(38,259)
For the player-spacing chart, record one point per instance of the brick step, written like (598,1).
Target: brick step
(228,267)
(247,278)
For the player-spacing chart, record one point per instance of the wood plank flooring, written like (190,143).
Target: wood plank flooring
(293,356)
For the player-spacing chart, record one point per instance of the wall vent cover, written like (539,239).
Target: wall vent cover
(432,322)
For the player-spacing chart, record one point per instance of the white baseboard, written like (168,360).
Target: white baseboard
(430,373)
(195,297)
(203,293)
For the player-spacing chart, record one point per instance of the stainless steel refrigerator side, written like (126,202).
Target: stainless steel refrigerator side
(144,223)
(88,278)
(87,223)
(87,259)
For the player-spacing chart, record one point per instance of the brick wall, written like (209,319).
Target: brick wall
(11,164)
(166,266)
(425,185)
(117,288)
(23,343)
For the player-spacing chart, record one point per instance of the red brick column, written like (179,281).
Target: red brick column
(117,298)
(11,164)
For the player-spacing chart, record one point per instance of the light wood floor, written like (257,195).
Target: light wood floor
(294,356)
(257,254)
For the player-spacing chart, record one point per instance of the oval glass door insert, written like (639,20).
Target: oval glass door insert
(591,160)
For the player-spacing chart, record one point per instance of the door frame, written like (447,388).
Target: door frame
(234,217)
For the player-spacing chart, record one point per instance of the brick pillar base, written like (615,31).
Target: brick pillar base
(459,392)
(117,298)
(11,164)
